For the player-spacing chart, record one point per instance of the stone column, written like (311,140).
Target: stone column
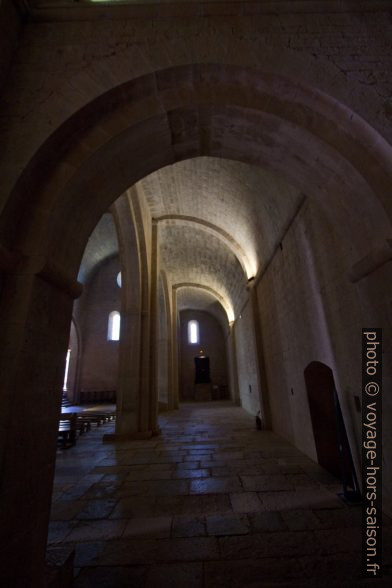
(232,355)
(127,421)
(35,317)
(132,420)
(264,398)
(170,395)
(144,378)
(174,338)
(170,352)
(153,356)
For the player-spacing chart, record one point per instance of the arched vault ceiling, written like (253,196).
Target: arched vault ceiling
(101,245)
(248,203)
(189,257)
(189,298)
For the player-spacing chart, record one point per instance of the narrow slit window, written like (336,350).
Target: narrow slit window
(114,326)
(193,332)
(66,370)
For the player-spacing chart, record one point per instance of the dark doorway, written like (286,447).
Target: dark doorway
(332,446)
(202,370)
(320,386)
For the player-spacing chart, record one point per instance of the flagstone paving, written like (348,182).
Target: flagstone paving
(211,502)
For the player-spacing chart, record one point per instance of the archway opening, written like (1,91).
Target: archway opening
(203,357)
(70,204)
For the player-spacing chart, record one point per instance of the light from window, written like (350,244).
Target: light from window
(114,326)
(193,332)
(119,282)
(66,370)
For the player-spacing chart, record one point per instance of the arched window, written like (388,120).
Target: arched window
(119,281)
(193,332)
(114,326)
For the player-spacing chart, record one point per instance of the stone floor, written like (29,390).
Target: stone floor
(210,503)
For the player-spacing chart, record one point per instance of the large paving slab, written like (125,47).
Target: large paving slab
(210,503)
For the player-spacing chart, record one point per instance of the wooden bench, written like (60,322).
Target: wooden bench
(99,418)
(72,424)
(93,419)
(83,425)
(67,431)
(106,416)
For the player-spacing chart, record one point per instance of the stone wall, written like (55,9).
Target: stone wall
(61,66)
(248,377)
(213,343)
(311,312)
(99,359)
(10,28)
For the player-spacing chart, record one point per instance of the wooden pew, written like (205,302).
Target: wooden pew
(99,418)
(67,431)
(72,424)
(84,425)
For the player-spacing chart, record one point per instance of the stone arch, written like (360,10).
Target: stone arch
(75,90)
(210,228)
(186,132)
(222,301)
(133,129)
(200,298)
